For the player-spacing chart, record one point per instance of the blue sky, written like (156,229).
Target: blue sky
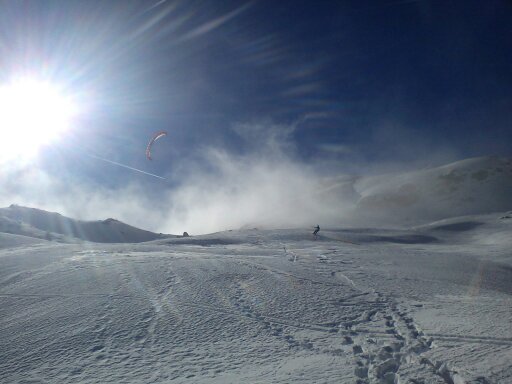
(326,87)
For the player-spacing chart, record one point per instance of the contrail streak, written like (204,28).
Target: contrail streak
(125,166)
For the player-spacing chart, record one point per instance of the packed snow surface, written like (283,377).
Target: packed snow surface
(431,304)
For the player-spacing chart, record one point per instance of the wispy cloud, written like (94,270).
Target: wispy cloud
(251,191)
(336,148)
(266,185)
(153,21)
(214,24)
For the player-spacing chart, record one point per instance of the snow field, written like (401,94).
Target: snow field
(353,306)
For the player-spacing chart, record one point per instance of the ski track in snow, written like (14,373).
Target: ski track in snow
(272,309)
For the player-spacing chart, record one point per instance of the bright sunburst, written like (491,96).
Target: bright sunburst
(33,113)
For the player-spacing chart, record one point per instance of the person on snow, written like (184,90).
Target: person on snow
(317,228)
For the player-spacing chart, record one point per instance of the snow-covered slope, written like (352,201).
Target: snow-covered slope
(468,187)
(430,304)
(41,224)
(8,240)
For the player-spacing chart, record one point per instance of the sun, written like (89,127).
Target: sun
(33,113)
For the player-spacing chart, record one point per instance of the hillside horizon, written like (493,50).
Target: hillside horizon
(38,223)
(467,187)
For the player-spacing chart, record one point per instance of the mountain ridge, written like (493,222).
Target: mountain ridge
(466,187)
(38,223)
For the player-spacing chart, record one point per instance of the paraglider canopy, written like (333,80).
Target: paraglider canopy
(154,138)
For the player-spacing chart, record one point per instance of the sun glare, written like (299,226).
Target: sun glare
(32,114)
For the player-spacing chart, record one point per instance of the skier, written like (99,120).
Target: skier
(317,228)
